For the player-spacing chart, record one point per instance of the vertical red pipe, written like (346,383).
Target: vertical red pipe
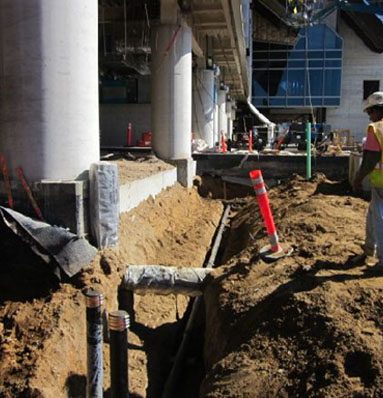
(7,183)
(27,189)
(250,140)
(129,135)
(264,206)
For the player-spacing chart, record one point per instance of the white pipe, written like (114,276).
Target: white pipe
(143,279)
(265,120)
(259,115)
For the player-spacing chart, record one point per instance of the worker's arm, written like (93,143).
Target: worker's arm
(369,161)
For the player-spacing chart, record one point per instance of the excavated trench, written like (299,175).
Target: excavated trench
(308,325)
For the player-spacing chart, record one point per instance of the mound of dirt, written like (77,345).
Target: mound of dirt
(42,322)
(309,325)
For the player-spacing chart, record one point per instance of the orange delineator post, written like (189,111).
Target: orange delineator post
(7,184)
(250,140)
(28,191)
(264,206)
(129,135)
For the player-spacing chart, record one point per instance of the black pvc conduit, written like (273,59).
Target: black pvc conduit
(94,326)
(175,371)
(118,331)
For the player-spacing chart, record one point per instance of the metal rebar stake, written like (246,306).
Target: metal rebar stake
(118,328)
(94,384)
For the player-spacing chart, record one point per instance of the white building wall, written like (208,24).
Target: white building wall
(359,64)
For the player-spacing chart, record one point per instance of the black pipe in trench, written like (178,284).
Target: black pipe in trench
(175,371)
(94,326)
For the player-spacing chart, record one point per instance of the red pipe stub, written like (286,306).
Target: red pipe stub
(93,298)
(129,135)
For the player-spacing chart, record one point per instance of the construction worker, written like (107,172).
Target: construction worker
(372,166)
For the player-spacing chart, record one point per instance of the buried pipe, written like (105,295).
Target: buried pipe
(118,331)
(94,328)
(176,368)
(218,238)
(143,279)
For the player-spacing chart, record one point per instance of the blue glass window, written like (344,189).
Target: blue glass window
(306,74)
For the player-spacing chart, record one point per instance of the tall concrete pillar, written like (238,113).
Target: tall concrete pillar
(171,91)
(229,120)
(215,116)
(197,111)
(49,119)
(233,116)
(207,94)
(203,105)
(222,116)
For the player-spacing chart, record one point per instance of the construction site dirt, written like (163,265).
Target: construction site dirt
(308,325)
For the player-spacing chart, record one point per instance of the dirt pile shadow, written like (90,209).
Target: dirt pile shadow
(23,275)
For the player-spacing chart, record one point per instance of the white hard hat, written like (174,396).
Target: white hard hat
(375,99)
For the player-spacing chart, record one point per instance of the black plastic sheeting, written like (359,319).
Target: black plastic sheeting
(68,253)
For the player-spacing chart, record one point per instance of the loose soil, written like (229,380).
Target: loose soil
(308,325)
(134,166)
(42,323)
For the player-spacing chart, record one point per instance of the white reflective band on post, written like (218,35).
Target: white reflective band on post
(260,191)
(273,239)
(257,181)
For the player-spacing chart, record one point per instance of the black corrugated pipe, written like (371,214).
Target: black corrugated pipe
(118,330)
(169,387)
(94,326)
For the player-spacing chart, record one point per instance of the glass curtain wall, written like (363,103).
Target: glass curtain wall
(307,74)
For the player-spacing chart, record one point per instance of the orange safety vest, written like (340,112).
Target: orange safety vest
(376,176)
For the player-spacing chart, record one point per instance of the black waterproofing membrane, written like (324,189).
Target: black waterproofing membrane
(64,251)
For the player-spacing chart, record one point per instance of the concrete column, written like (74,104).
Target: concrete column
(207,95)
(203,105)
(171,91)
(222,116)
(229,120)
(197,111)
(215,116)
(233,116)
(49,119)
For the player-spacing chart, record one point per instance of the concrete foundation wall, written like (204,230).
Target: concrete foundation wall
(133,193)
(359,64)
(114,119)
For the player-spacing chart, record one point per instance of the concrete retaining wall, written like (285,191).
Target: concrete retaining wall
(133,193)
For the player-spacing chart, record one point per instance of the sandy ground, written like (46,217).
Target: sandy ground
(309,325)
(306,326)
(133,166)
(42,323)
